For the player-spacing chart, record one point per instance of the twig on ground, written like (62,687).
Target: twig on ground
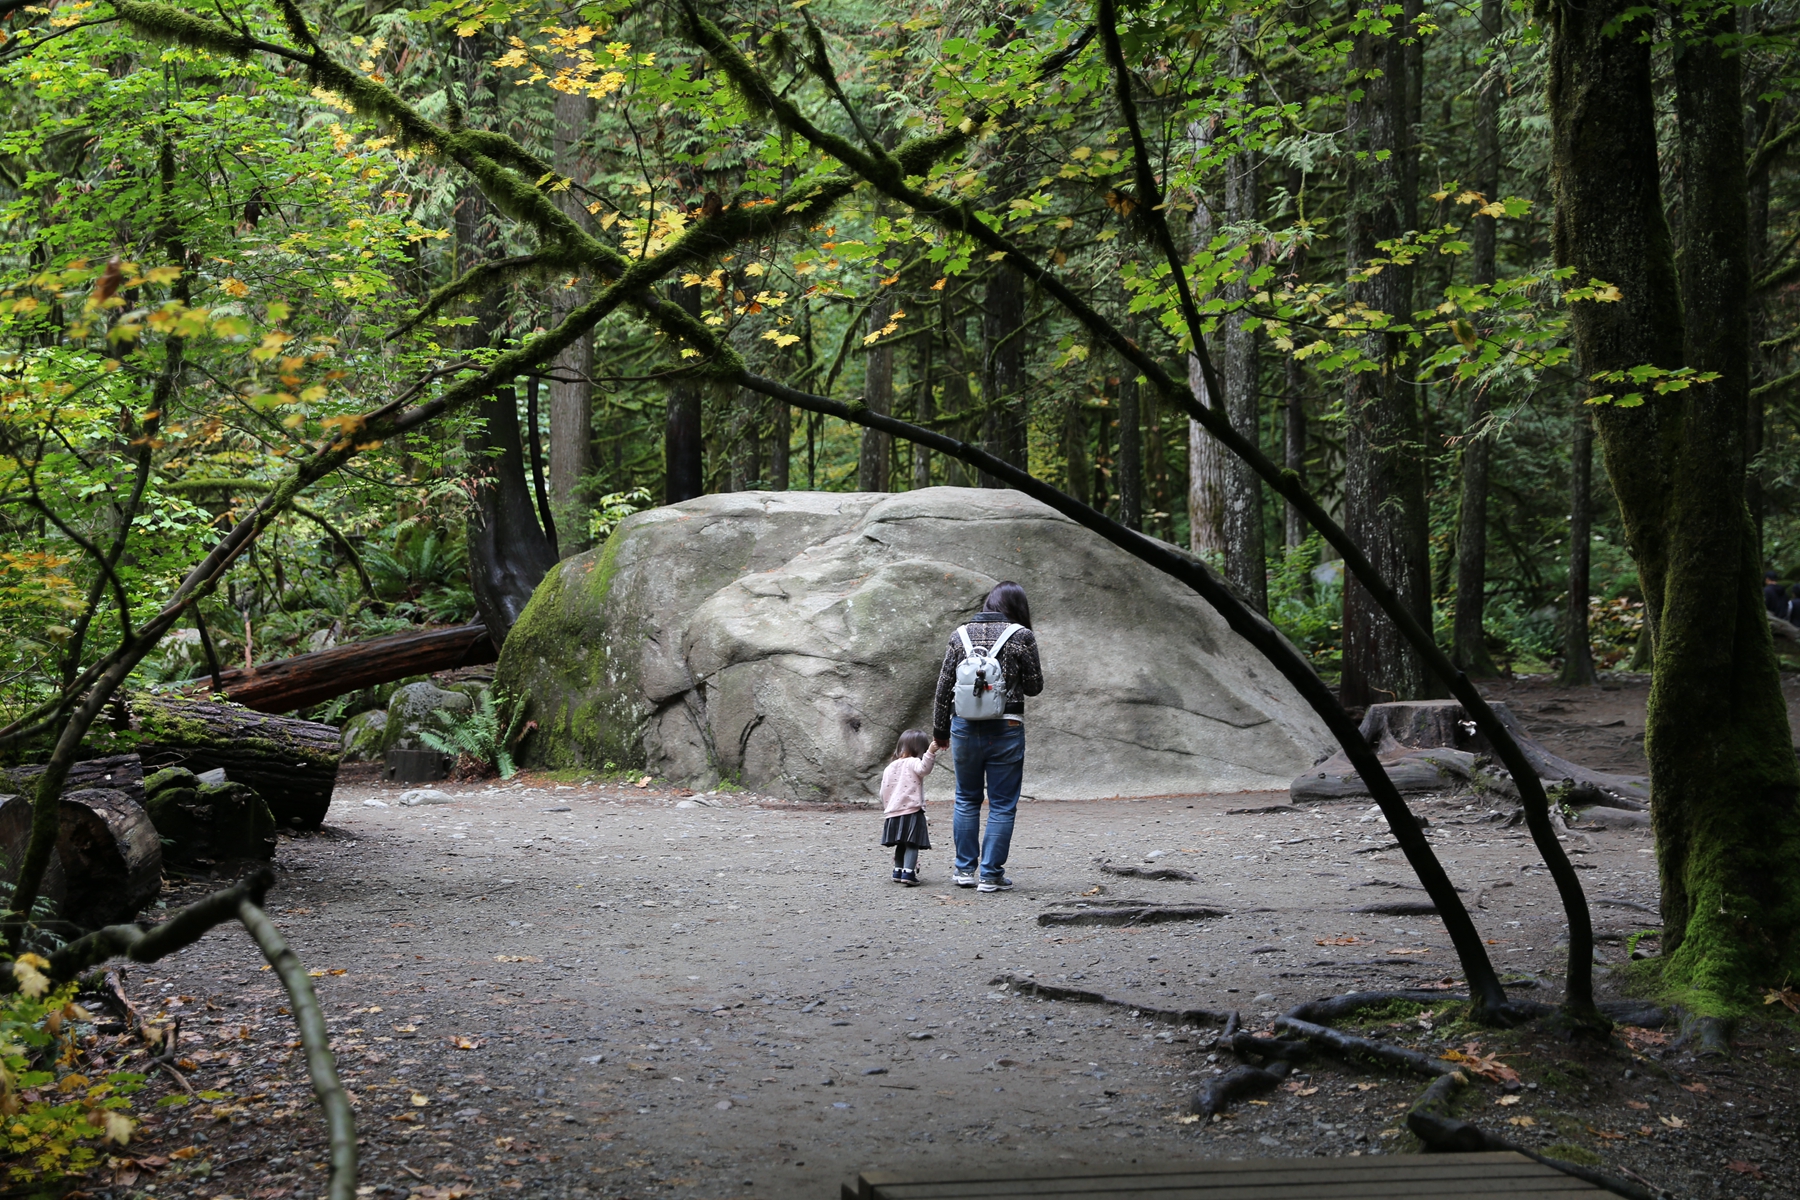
(1052,991)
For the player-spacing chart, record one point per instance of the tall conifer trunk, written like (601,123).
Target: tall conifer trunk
(1244,564)
(1468,633)
(572,382)
(1722,767)
(1384,478)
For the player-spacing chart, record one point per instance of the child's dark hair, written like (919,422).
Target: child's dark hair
(1008,599)
(913,744)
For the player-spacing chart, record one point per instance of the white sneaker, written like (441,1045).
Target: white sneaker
(998,884)
(961,880)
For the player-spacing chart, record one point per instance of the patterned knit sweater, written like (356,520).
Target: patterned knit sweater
(1018,658)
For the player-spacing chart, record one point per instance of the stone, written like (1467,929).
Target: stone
(363,736)
(417,796)
(784,640)
(1434,746)
(409,713)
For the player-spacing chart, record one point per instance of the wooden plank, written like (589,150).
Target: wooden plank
(1470,1176)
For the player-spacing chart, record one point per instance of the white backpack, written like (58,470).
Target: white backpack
(980,679)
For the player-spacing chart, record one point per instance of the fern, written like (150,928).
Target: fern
(481,733)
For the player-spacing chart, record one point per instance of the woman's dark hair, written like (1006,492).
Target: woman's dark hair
(1008,599)
(913,744)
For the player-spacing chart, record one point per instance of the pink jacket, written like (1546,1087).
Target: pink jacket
(903,785)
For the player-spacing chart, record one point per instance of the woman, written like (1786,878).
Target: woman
(990,751)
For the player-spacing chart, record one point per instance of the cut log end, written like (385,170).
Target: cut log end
(107,865)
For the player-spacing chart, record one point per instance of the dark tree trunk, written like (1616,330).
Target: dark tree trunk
(956,383)
(684,458)
(572,380)
(1244,554)
(1468,643)
(878,393)
(746,441)
(508,552)
(1578,658)
(534,442)
(923,405)
(1077,467)
(1207,460)
(1005,416)
(1384,478)
(1129,473)
(781,433)
(1722,766)
(1760,365)
(1294,425)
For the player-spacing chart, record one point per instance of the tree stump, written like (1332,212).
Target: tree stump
(107,864)
(204,824)
(290,763)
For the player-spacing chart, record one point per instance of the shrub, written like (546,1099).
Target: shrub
(480,733)
(52,1117)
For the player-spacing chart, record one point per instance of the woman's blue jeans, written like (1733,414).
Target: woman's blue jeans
(990,752)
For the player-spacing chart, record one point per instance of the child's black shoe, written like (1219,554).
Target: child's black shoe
(909,878)
(897,874)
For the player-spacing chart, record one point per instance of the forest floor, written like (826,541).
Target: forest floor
(551,989)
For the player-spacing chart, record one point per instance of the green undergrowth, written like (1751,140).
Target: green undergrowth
(1571,1152)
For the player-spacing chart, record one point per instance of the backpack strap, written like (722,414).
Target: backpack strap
(962,631)
(994,650)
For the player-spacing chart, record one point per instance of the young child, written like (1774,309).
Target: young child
(903,803)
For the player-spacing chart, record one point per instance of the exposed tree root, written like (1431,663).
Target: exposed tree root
(1143,914)
(1433,1123)
(1712,1035)
(1162,873)
(1431,1118)
(242,902)
(1052,991)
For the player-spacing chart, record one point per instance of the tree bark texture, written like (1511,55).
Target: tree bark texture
(878,393)
(572,381)
(781,432)
(746,441)
(1578,657)
(684,447)
(957,396)
(1208,462)
(1293,432)
(1722,766)
(534,442)
(1468,644)
(1384,478)
(1757,119)
(307,679)
(508,551)
(924,405)
(108,861)
(1128,473)
(1244,564)
(1005,416)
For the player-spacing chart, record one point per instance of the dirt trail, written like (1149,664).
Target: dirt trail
(665,1000)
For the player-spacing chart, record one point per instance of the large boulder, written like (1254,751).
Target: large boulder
(785,639)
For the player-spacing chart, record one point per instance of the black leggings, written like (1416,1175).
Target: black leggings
(906,857)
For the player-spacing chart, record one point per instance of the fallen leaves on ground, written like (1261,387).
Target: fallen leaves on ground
(1346,940)
(461,1042)
(1488,1066)
(1696,1087)
(1786,996)
(1673,1122)
(1522,1122)
(1298,1088)
(524,958)
(1410,950)
(1744,1168)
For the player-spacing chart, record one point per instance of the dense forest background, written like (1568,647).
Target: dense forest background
(209,262)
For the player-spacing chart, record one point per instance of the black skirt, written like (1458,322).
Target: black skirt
(908,829)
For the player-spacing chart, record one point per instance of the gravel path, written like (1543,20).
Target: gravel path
(559,990)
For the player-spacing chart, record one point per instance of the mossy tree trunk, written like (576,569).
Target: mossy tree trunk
(1721,763)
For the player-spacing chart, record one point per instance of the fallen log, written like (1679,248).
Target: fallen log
(120,772)
(107,865)
(307,679)
(292,764)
